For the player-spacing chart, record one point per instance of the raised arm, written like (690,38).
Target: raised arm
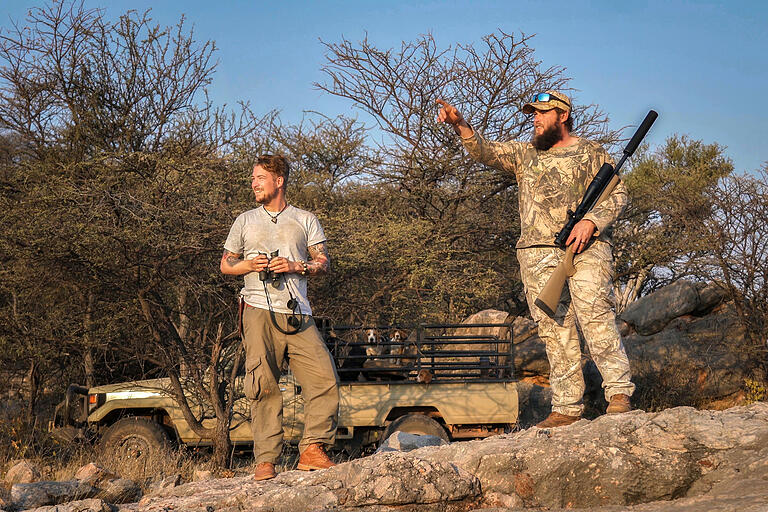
(449,115)
(499,155)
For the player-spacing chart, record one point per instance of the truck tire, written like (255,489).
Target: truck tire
(416,424)
(134,438)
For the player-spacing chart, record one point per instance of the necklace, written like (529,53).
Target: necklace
(273,218)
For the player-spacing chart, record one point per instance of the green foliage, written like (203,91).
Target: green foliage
(756,391)
(120,180)
(662,231)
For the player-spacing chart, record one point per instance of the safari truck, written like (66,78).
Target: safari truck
(451,381)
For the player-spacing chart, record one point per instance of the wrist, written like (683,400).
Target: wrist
(302,268)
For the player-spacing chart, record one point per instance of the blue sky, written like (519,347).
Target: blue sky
(703,65)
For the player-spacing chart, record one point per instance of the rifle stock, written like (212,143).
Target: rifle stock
(549,297)
(604,182)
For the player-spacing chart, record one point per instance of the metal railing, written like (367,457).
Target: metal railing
(427,353)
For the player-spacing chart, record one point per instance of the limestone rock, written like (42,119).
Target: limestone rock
(624,459)
(405,442)
(680,459)
(487,316)
(23,472)
(386,479)
(91,505)
(535,403)
(120,490)
(165,483)
(693,359)
(650,314)
(92,474)
(201,475)
(38,494)
(710,295)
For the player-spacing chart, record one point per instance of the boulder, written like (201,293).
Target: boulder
(91,505)
(23,472)
(696,353)
(677,459)
(502,333)
(650,314)
(528,351)
(38,494)
(165,483)
(92,474)
(405,442)
(201,475)
(711,295)
(535,403)
(693,361)
(386,479)
(120,490)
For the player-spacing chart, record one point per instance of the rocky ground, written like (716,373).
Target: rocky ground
(680,459)
(686,347)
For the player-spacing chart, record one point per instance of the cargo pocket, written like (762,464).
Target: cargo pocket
(252,384)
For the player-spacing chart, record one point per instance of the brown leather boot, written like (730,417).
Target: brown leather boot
(555,419)
(314,457)
(619,403)
(264,471)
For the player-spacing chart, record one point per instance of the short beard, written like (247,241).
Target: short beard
(548,138)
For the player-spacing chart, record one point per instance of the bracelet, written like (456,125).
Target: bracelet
(304,269)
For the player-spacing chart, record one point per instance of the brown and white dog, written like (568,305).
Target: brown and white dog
(404,347)
(373,346)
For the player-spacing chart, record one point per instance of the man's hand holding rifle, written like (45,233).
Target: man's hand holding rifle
(557,170)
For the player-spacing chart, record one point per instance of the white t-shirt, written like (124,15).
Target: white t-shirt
(294,232)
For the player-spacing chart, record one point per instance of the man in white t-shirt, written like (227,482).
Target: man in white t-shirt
(276,247)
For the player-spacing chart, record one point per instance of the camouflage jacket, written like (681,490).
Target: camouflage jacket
(550,183)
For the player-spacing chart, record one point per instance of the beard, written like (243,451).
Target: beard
(263,198)
(548,137)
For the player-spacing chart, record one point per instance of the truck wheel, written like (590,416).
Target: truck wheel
(416,424)
(134,438)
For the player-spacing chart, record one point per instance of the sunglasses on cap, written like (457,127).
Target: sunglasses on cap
(544,97)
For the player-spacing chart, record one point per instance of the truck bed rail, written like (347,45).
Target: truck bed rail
(427,353)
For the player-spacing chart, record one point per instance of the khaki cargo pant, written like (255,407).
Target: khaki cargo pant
(588,301)
(311,364)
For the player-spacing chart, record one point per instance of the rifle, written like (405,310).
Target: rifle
(598,190)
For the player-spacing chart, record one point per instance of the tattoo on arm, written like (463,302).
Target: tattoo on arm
(231,258)
(320,262)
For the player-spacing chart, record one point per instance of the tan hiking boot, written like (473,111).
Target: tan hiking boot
(619,403)
(555,419)
(314,457)
(264,471)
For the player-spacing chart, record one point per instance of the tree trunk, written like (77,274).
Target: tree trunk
(33,382)
(88,365)
(222,446)
(90,368)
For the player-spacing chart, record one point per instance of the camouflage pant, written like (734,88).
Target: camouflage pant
(587,300)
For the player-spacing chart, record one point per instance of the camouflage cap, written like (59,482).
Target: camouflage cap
(555,99)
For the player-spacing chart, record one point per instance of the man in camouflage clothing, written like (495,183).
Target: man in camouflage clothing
(553,172)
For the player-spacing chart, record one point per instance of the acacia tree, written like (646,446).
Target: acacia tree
(121,191)
(447,243)
(738,234)
(663,231)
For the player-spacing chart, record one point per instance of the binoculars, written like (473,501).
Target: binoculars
(269,275)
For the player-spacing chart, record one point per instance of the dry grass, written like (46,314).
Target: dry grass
(55,461)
